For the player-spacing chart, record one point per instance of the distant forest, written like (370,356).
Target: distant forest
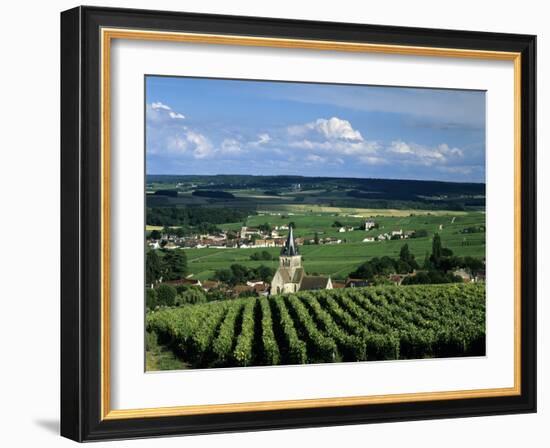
(373,193)
(393,187)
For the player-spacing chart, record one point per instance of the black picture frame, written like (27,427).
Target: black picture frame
(81,224)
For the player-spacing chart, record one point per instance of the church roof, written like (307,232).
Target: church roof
(290,248)
(313,282)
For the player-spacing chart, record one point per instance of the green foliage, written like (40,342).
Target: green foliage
(474,265)
(193,216)
(295,349)
(405,255)
(431,278)
(238,274)
(376,268)
(373,323)
(223,344)
(200,341)
(420,233)
(190,295)
(155,235)
(150,298)
(352,347)
(264,255)
(436,250)
(174,264)
(271,354)
(159,357)
(265,227)
(243,353)
(153,267)
(320,347)
(166,294)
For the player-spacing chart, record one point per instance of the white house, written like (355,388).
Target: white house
(369,224)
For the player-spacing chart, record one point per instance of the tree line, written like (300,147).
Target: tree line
(437,267)
(194,216)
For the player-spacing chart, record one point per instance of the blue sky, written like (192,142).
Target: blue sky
(213,126)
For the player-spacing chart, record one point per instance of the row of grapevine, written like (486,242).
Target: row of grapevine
(223,344)
(271,353)
(320,347)
(243,350)
(352,347)
(356,324)
(293,347)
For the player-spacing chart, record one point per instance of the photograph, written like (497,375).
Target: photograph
(344,211)
(297,223)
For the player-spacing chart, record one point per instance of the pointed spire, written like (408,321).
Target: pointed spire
(290,249)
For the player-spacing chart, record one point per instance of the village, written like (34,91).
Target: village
(260,237)
(290,276)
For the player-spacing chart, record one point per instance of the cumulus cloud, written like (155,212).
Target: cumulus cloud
(166,134)
(335,135)
(202,147)
(332,129)
(323,142)
(424,155)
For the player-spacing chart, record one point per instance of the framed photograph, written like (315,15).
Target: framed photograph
(276,224)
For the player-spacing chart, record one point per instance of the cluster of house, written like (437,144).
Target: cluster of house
(247,237)
(393,235)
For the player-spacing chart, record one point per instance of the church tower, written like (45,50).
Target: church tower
(290,257)
(289,275)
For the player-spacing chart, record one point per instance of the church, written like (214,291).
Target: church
(290,276)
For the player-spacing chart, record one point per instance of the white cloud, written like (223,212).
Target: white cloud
(159,110)
(400,147)
(262,140)
(444,149)
(202,146)
(314,158)
(411,153)
(176,115)
(158,105)
(373,160)
(177,143)
(335,136)
(231,146)
(332,129)
(337,147)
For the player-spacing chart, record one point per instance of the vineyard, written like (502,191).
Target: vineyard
(355,324)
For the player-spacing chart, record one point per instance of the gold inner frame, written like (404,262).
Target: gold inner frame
(107,35)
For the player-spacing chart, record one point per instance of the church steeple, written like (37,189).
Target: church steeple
(290,249)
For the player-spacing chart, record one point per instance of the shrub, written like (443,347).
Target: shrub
(150,298)
(166,294)
(192,295)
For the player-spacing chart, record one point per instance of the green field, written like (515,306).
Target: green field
(358,324)
(338,260)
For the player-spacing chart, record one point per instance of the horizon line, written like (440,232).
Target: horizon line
(323,177)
